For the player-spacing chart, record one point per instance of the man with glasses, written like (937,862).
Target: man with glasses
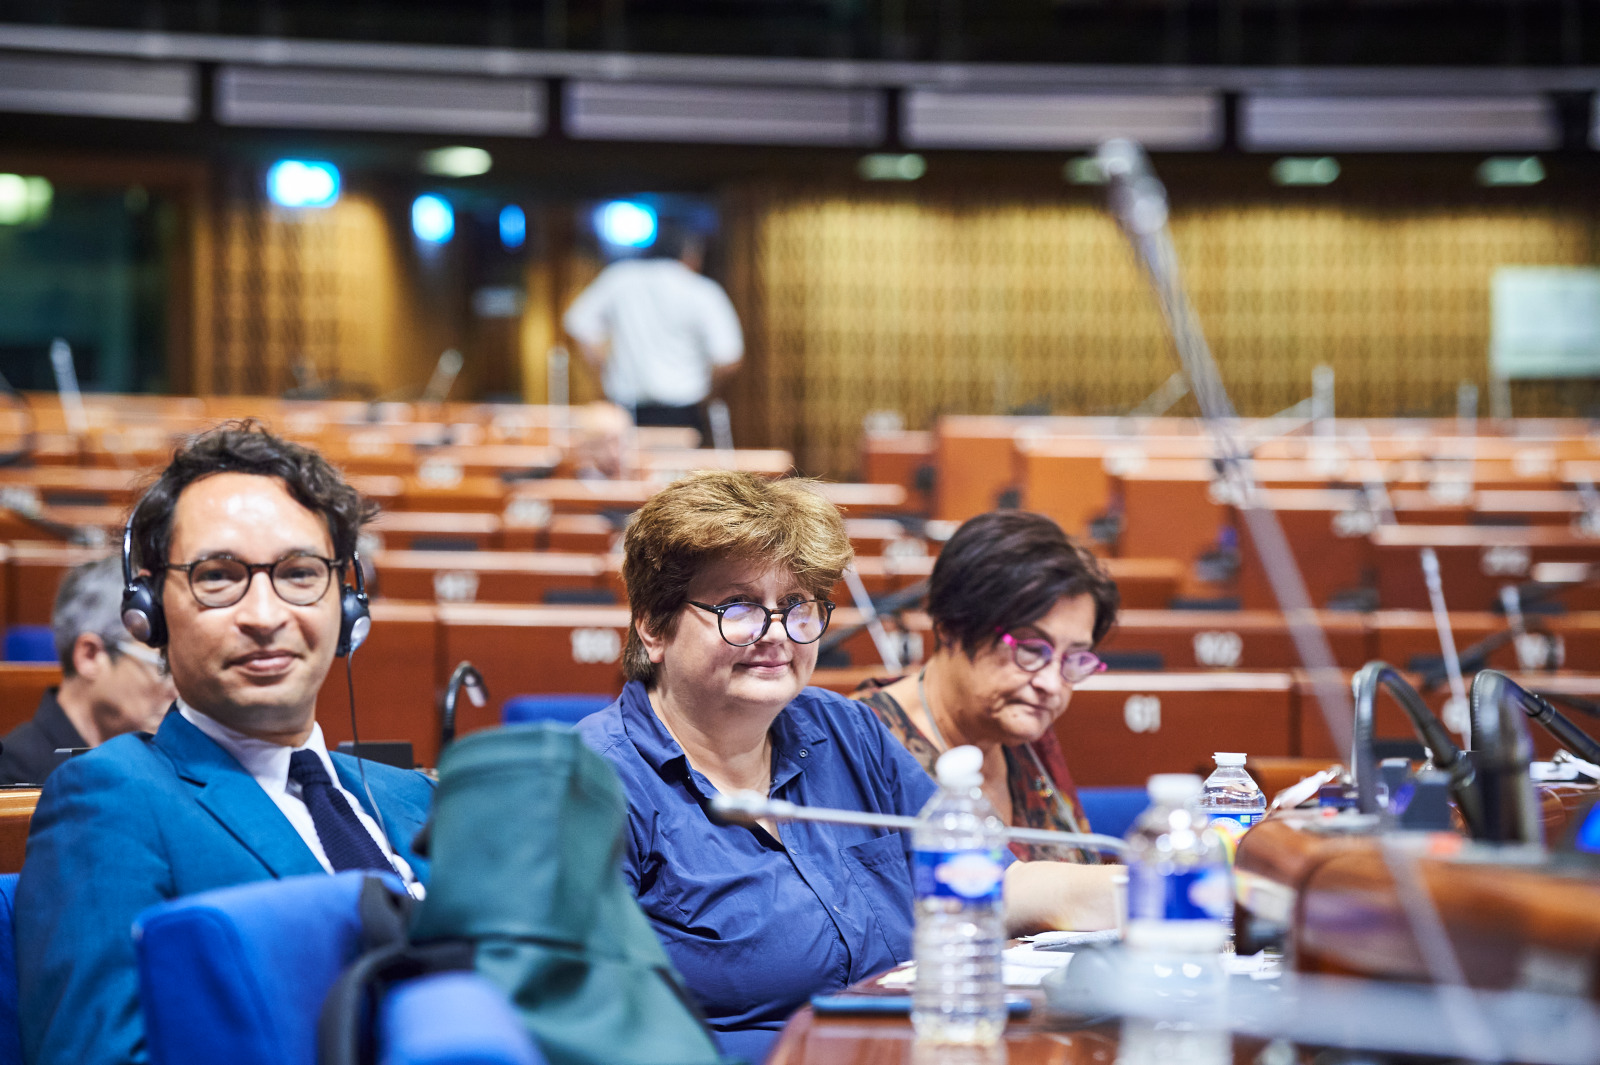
(237,560)
(109,683)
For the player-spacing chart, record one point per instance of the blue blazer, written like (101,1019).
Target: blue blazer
(139,820)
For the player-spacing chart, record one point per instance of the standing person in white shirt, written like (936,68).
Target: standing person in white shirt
(660,335)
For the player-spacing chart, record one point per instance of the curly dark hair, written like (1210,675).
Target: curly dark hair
(248,447)
(1008,568)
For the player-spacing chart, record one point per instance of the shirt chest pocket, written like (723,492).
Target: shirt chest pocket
(879,871)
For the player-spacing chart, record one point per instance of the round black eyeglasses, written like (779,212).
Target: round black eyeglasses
(299,580)
(742,624)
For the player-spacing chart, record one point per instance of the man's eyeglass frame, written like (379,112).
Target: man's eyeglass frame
(251,569)
(766,625)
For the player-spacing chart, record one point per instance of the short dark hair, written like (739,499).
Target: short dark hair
(247,447)
(1008,568)
(673,240)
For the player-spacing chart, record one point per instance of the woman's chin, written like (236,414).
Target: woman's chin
(1020,728)
(765,684)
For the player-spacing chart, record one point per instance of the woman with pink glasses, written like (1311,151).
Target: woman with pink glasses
(1017,610)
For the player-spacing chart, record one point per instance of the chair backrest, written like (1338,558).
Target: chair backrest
(455,1018)
(238,975)
(10,1034)
(565,709)
(30,643)
(1112,811)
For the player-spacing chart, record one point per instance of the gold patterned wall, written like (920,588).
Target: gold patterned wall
(321,289)
(924,305)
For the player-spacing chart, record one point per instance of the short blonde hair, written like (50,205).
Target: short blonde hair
(717,514)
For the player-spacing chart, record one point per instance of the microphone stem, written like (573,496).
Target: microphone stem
(748,806)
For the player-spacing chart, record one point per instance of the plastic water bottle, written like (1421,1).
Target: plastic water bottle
(1179,883)
(1231,799)
(1232,802)
(960,994)
(1179,888)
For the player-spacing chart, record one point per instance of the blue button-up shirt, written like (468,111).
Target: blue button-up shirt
(754,925)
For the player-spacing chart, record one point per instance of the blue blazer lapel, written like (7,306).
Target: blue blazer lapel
(402,819)
(234,798)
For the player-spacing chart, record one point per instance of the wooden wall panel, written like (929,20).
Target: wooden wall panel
(925,303)
(326,287)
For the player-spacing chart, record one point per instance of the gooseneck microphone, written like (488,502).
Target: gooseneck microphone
(749,807)
(1537,707)
(1502,753)
(466,676)
(1442,751)
(1138,201)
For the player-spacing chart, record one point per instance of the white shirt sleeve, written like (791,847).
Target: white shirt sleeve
(719,325)
(589,318)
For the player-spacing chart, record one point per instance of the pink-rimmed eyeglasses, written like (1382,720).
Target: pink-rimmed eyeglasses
(1033,655)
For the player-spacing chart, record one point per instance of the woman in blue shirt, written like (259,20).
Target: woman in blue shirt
(727,577)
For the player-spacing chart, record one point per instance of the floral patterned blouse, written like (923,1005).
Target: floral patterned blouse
(1041,784)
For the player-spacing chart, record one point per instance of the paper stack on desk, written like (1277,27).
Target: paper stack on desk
(1024,965)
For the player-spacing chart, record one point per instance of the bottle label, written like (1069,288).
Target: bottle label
(974,876)
(1233,825)
(1201,893)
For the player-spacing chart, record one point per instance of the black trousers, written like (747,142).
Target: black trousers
(691,416)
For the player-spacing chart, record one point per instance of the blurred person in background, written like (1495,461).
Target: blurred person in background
(660,336)
(1017,610)
(110,684)
(603,448)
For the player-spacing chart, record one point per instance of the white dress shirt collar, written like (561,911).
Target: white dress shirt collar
(268,764)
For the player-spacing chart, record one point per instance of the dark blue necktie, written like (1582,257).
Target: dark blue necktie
(345,840)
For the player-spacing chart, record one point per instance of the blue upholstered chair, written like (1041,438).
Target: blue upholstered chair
(10,1036)
(1112,811)
(557,709)
(238,976)
(30,643)
(452,1019)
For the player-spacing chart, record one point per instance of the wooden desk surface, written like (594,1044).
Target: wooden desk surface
(864,1040)
(16,812)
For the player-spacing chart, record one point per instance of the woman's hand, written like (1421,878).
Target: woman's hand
(1062,896)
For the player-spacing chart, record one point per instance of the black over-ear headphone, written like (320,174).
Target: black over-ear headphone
(143,617)
(355,611)
(141,606)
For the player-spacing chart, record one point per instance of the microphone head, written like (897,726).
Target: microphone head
(1138,198)
(740,808)
(1120,158)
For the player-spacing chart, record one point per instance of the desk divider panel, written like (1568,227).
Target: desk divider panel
(398,676)
(485,576)
(533,650)
(1250,639)
(1476,561)
(901,457)
(21,686)
(35,575)
(1120,728)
